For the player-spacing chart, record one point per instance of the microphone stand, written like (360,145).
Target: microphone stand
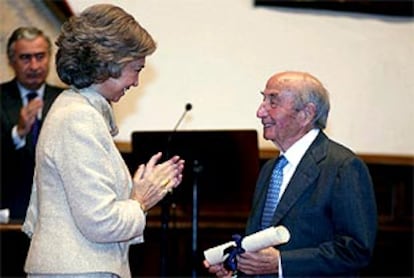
(197,169)
(165,207)
(166,204)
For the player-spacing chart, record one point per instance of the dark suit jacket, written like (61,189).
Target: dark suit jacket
(17,166)
(329,208)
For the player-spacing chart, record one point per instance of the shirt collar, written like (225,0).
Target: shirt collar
(101,104)
(24,92)
(295,153)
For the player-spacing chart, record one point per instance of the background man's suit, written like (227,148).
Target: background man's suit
(319,192)
(17,166)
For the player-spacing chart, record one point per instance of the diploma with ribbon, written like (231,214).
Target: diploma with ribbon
(227,252)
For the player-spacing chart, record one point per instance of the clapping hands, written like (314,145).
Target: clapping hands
(153,181)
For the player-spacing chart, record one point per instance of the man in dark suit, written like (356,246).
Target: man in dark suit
(325,198)
(25,100)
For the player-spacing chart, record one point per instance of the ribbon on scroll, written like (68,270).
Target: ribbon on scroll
(230,263)
(271,236)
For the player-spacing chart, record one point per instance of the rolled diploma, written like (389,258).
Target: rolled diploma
(4,216)
(269,237)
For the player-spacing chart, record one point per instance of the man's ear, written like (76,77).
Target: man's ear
(309,113)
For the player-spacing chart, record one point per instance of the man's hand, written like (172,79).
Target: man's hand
(265,261)
(218,270)
(28,116)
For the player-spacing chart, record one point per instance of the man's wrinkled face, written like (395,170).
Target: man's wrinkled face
(278,114)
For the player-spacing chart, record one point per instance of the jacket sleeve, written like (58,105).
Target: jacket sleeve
(96,181)
(32,213)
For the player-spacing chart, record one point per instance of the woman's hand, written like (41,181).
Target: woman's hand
(153,181)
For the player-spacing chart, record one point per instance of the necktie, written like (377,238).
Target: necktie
(272,197)
(36,124)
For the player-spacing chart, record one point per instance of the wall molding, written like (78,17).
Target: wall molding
(387,159)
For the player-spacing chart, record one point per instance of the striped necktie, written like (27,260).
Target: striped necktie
(272,197)
(36,124)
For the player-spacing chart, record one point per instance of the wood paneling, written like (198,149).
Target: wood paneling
(125,147)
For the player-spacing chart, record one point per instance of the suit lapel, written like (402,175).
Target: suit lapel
(48,99)
(306,173)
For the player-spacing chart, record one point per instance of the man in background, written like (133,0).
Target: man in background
(25,100)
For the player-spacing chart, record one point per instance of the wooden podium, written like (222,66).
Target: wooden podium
(214,198)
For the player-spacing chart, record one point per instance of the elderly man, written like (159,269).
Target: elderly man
(318,189)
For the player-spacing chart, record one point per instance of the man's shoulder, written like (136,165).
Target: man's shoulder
(54,89)
(9,90)
(325,147)
(6,85)
(337,153)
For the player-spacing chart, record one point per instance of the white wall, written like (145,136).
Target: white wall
(218,55)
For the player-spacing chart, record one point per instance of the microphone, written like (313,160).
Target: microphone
(187,107)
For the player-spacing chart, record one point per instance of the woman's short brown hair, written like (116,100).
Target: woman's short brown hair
(95,45)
